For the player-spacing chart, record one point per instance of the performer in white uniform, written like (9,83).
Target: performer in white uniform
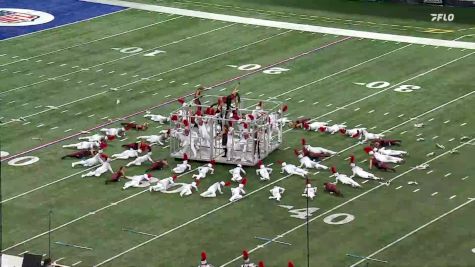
(216,187)
(317,150)
(106,166)
(309,191)
(203,171)
(238,192)
(181,168)
(137,180)
(158,118)
(130,153)
(344,179)
(358,171)
(139,160)
(292,169)
(236,172)
(263,171)
(276,192)
(83,145)
(310,164)
(188,189)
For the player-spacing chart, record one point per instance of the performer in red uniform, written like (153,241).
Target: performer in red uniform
(134,126)
(158,165)
(332,189)
(81,154)
(142,146)
(117,175)
(385,142)
(380,165)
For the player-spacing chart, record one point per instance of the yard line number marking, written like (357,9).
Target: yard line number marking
(249,67)
(403,88)
(134,50)
(330,219)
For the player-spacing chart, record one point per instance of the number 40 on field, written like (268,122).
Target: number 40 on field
(402,88)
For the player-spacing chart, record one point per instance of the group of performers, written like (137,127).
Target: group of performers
(246,261)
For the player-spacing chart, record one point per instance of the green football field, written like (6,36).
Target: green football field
(98,73)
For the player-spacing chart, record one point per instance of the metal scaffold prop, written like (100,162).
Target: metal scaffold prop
(226,129)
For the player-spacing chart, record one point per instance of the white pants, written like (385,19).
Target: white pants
(235,197)
(208,193)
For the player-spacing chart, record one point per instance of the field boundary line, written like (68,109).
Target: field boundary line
(415,230)
(64,25)
(290,26)
(343,204)
(174,100)
(90,42)
(117,59)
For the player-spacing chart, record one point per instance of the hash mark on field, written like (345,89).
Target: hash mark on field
(448,174)
(29,73)
(363,161)
(99,70)
(105,85)
(420,134)
(91,84)
(329,105)
(155,93)
(435,137)
(167,96)
(374,127)
(286,148)
(79,82)
(11,102)
(26,123)
(431,119)
(417,190)
(25,104)
(385,114)
(447,121)
(66,80)
(451,139)
(74,67)
(62,65)
(314,103)
(141,92)
(222,89)
(463,124)
(464,178)
(185,84)
(92,115)
(68,130)
(125,73)
(171,81)
(452,197)
(39,60)
(399,187)
(248,93)
(39,106)
(106,117)
(315,173)
(400,115)
(356,109)
(54,128)
(49,63)
(79,113)
(301,101)
(135,76)
(260,95)
(371,111)
(64,111)
(435,193)
(288,99)
(110,72)
(76,263)
(403,132)
(365,181)
(128,90)
(159,80)
(15,72)
(40,125)
(429,172)
(329,121)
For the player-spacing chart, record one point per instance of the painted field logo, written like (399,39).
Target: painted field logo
(442,17)
(23,17)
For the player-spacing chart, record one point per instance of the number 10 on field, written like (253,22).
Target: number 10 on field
(402,88)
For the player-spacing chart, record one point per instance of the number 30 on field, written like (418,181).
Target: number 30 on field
(402,88)
(250,67)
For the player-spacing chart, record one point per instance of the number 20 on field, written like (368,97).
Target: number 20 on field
(402,88)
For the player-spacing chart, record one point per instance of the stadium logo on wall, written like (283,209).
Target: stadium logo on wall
(23,17)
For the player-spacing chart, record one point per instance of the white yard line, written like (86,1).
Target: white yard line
(290,26)
(414,231)
(118,59)
(164,72)
(339,206)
